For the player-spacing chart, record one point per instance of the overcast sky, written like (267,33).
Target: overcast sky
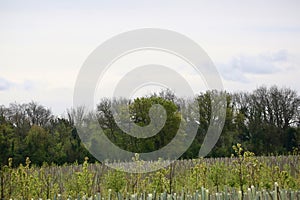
(43,44)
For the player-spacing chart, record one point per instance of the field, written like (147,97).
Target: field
(241,177)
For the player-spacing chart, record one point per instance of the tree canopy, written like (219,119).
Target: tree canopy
(265,121)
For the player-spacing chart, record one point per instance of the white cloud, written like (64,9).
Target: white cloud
(5,84)
(239,67)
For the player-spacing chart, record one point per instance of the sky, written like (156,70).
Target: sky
(43,44)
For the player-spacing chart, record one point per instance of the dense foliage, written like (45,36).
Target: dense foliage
(266,121)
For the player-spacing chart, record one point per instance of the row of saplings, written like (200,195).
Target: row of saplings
(46,182)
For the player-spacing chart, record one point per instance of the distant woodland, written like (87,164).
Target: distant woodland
(265,121)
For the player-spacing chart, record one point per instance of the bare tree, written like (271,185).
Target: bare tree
(38,114)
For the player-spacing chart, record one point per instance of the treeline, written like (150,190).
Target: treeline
(31,130)
(265,121)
